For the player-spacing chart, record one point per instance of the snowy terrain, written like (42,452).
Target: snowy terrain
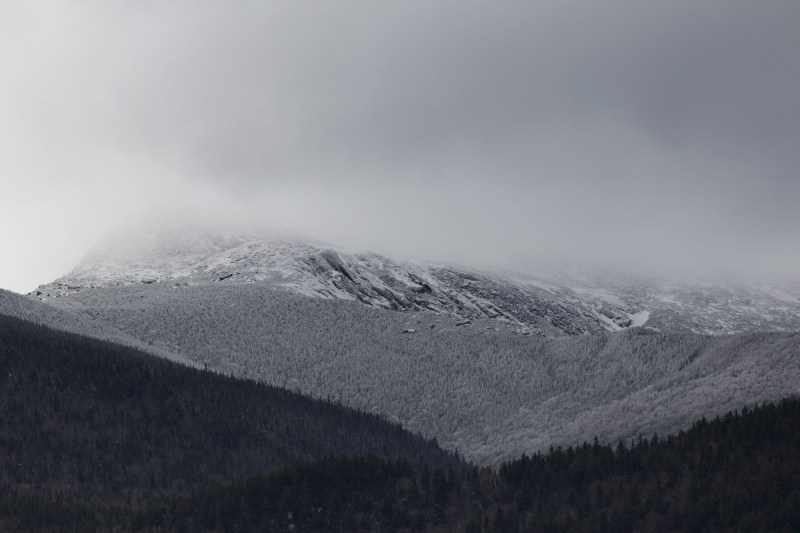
(547,305)
(16,305)
(493,365)
(492,395)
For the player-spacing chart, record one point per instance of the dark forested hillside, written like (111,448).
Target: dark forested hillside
(736,473)
(90,430)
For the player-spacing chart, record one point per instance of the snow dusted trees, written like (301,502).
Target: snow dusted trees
(491,395)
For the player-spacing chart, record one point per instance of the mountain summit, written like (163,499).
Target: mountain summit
(543,304)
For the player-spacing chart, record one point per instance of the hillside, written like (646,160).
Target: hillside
(489,364)
(492,395)
(740,472)
(547,303)
(31,310)
(91,429)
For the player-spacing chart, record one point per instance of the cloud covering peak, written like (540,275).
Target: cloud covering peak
(507,134)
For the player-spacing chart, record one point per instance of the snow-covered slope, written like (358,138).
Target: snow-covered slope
(548,305)
(67,319)
(492,395)
(437,348)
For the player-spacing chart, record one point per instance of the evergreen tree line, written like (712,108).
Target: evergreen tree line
(90,430)
(740,472)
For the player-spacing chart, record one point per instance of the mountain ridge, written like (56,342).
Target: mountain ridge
(546,304)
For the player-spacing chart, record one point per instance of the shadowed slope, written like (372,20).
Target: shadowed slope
(94,424)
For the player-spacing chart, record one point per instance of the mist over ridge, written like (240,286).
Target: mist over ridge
(624,135)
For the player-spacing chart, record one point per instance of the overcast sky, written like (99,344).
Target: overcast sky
(622,132)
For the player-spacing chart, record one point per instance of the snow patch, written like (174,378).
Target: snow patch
(639,319)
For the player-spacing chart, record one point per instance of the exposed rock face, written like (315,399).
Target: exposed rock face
(545,305)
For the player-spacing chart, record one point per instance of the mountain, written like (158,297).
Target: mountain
(547,304)
(438,349)
(90,430)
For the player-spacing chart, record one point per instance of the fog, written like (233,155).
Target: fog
(660,135)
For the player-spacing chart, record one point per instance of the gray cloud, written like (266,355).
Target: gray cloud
(500,134)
